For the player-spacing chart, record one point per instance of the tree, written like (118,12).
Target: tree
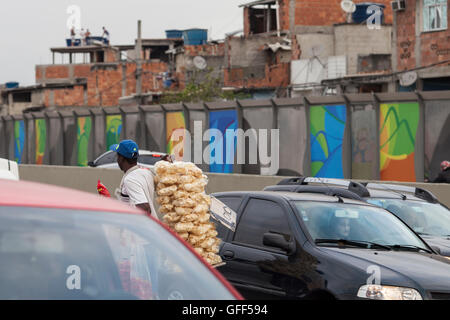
(208,90)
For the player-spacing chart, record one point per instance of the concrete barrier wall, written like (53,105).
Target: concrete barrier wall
(387,136)
(85,179)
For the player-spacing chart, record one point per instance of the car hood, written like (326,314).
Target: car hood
(443,243)
(429,272)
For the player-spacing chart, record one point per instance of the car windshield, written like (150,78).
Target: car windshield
(68,254)
(423,217)
(340,221)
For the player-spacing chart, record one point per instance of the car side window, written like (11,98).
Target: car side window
(233,203)
(259,217)
(110,157)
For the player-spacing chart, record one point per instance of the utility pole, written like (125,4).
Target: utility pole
(139,62)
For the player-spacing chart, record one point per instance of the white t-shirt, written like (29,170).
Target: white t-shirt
(137,187)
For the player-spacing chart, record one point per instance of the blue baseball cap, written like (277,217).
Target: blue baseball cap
(126,148)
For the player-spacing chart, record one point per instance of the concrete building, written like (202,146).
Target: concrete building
(422,37)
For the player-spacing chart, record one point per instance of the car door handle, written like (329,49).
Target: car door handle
(228,255)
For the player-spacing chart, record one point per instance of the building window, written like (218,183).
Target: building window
(435,15)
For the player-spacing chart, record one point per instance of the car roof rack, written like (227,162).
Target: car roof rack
(352,186)
(418,192)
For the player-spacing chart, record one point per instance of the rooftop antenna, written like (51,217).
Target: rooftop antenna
(349,7)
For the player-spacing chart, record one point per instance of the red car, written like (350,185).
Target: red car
(58,243)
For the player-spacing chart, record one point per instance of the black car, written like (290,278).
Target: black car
(313,246)
(417,207)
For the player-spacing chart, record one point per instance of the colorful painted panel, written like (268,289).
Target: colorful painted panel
(174,121)
(83,135)
(364,142)
(223,121)
(41,139)
(113,130)
(398,128)
(327,136)
(19,140)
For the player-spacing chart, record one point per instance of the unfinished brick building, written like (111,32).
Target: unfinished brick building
(103,74)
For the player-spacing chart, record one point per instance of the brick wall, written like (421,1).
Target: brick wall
(406,37)
(205,50)
(57,72)
(104,84)
(328,12)
(276,74)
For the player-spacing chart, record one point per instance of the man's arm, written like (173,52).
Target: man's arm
(145,207)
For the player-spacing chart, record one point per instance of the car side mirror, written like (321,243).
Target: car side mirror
(91,164)
(278,241)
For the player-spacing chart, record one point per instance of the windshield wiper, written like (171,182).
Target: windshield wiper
(356,243)
(409,247)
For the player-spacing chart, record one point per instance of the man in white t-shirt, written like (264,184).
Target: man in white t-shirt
(137,186)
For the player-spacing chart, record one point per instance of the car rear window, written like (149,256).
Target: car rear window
(149,159)
(69,254)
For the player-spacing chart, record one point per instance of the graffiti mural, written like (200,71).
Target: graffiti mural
(174,121)
(398,128)
(113,130)
(327,136)
(223,120)
(364,134)
(41,139)
(19,140)
(83,135)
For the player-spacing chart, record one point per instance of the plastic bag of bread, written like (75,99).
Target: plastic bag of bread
(163,200)
(182,211)
(167,191)
(184,202)
(184,205)
(169,179)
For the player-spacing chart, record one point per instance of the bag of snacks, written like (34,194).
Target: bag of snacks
(184,205)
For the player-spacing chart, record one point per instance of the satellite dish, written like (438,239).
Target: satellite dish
(348,6)
(408,78)
(200,63)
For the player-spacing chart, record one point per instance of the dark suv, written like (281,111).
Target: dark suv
(308,246)
(417,207)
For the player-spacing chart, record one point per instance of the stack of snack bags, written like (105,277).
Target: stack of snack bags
(184,205)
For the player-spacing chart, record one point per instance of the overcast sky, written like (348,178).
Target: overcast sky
(28,29)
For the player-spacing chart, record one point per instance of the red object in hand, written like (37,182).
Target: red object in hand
(102,190)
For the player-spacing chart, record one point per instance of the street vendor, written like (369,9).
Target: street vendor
(137,186)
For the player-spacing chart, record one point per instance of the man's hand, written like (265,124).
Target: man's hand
(102,190)
(167,158)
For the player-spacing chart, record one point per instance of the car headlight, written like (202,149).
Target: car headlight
(378,292)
